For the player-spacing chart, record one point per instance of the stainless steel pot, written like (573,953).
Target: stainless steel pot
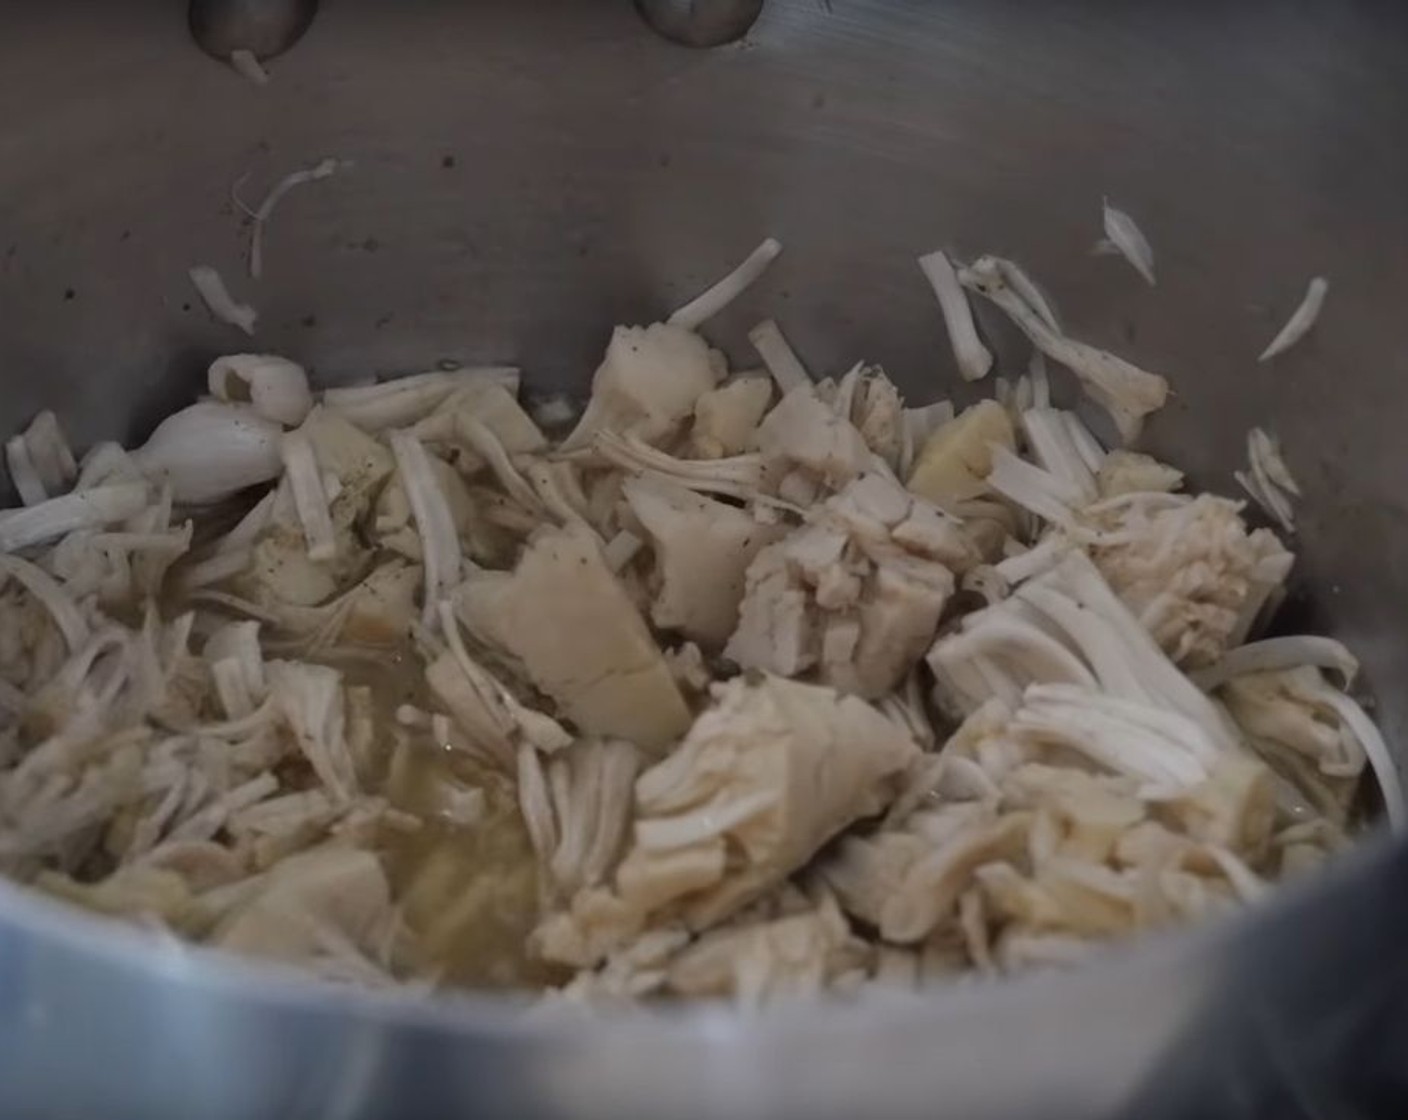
(527,175)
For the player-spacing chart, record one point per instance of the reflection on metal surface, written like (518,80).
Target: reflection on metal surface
(498,214)
(265,28)
(1277,1041)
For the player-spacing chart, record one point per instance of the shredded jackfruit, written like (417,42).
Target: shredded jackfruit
(211,286)
(1127,392)
(260,216)
(749,687)
(1127,239)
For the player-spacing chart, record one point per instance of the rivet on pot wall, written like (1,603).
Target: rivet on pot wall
(701,23)
(265,28)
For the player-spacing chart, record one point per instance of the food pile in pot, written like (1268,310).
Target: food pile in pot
(739,683)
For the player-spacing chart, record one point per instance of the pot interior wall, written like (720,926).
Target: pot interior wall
(528,174)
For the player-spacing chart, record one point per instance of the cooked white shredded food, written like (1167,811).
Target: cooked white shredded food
(749,687)
(1126,238)
(221,304)
(259,217)
(247,65)
(1305,316)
